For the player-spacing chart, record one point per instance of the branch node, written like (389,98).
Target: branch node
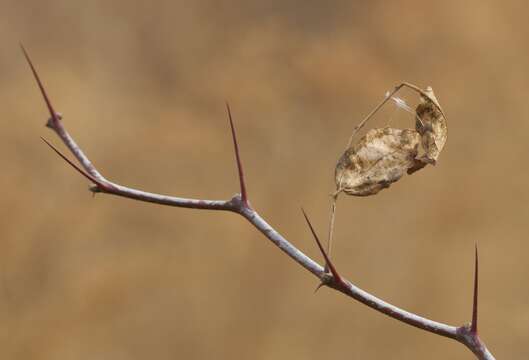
(51,123)
(94,188)
(236,203)
(325,279)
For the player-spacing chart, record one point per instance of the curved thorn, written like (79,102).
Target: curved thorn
(474,326)
(53,114)
(244,196)
(99,184)
(328,262)
(318,287)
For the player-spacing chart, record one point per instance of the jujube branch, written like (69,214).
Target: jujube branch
(239,204)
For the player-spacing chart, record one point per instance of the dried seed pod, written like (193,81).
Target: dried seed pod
(383,155)
(378,159)
(431,125)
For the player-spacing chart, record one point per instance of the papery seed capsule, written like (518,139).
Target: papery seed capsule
(431,125)
(377,160)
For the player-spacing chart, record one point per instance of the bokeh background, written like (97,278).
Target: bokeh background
(142,87)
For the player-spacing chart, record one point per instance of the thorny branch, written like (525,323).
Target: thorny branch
(465,334)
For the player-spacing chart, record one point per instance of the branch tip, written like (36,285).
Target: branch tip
(328,262)
(474,325)
(53,114)
(244,196)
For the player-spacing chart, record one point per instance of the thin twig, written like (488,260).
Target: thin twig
(461,334)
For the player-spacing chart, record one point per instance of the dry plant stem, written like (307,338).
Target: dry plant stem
(334,198)
(462,334)
(332,217)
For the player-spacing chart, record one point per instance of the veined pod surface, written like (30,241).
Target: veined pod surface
(377,160)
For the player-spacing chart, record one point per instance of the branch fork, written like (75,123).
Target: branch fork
(466,334)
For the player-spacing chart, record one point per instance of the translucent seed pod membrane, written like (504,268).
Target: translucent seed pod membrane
(431,125)
(383,155)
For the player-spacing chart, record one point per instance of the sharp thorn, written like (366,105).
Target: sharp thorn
(328,262)
(320,285)
(53,114)
(474,326)
(98,183)
(244,196)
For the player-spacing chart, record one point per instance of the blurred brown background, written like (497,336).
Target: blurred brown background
(142,88)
